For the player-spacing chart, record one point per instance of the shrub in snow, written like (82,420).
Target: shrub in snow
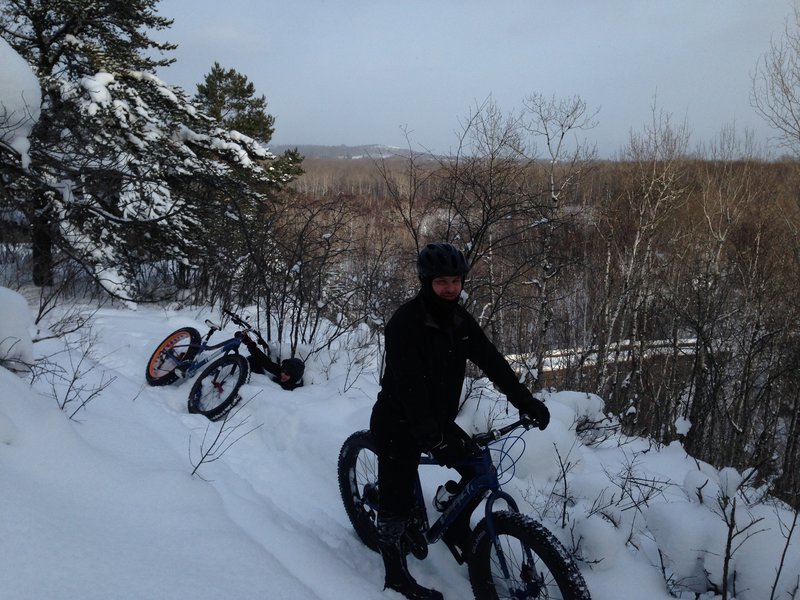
(16,345)
(599,541)
(714,540)
(682,532)
(701,485)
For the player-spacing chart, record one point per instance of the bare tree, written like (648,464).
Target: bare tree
(409,191)
(776,85)
(631,223)
(557,123)
(70,385)
(776,97)
(508,209)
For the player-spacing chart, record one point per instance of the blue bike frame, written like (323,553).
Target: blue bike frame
(188,368)
(221,349)
(485,481)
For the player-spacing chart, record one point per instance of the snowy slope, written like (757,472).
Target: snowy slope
(104,505)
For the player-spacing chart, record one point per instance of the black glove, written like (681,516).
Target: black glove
(532,408)
(454,450)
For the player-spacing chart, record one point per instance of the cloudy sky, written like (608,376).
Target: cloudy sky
(364,71)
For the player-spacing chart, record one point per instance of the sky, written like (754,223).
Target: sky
(104,505)
(378,72)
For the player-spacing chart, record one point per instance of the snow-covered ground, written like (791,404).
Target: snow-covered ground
(103,505)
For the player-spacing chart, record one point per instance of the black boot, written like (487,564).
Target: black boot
(394,562)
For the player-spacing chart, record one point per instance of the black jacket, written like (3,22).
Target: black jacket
(424,371)
(260,363)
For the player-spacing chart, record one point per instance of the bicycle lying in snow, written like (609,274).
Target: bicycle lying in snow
(511,555)
(184,352)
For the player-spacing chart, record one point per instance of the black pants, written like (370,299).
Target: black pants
(398,460)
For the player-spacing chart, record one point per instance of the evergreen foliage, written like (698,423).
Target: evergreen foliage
(230,98)
(124,167)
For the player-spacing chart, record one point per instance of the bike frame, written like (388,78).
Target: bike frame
(224,347)
(485,481)
(189,368)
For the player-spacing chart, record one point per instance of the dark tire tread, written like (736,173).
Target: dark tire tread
(541,542)
(190,351)
(238,375)
(363,521)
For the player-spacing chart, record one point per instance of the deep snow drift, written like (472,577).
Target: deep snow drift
(103,505)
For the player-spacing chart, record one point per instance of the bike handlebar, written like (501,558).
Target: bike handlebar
(241,322)
(482,439)
(237,319)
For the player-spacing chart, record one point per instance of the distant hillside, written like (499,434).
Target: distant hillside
(367,151)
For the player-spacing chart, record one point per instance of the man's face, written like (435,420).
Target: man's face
(448,287)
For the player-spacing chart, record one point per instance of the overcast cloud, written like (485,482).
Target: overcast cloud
(361,71)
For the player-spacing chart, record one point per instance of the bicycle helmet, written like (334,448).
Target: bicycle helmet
(440,260)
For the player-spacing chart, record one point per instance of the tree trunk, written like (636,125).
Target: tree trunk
(42,251)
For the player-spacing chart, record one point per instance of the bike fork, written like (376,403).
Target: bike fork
(527,574)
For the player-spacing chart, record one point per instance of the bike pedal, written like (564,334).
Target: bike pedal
(416,543)
(371,496)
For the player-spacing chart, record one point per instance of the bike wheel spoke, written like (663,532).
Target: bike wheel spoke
(518,574)
(516,558)
(213,391)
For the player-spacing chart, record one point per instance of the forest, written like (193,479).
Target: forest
(664,283)
(664,280)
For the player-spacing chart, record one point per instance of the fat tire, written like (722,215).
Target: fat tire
(560,576)
(216,390)
(185,342)
(357,472)
(358,468)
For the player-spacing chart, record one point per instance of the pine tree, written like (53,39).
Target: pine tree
(229,97)
(123,166)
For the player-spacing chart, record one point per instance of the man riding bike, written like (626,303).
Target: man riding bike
(428,342)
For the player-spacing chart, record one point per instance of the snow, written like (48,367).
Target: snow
(97,88)
(104,505)
(682,425)
(20,99)
(16,346)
